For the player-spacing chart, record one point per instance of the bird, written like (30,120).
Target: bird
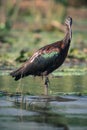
(47,59)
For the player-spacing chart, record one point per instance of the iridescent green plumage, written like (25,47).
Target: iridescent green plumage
(49,55)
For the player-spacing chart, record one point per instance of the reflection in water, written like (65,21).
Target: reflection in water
(17,118)
(43,113)
(26,112)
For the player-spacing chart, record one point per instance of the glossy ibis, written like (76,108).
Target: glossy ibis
(46,59)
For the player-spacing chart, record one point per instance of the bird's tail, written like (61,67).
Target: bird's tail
(17,74)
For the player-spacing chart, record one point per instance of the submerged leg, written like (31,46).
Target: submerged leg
(46,85)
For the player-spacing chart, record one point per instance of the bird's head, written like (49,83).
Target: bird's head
(68,21)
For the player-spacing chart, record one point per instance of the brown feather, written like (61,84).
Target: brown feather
(47,58)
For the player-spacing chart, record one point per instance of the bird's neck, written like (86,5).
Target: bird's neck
(68,35)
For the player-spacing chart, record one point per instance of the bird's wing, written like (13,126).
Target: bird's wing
(46,51)
(41,60)
(39,63)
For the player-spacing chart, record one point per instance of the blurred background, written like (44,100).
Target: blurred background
(27,25)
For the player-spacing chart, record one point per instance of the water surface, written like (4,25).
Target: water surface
(64,109)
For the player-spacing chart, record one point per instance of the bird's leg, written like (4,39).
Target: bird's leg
(46,85)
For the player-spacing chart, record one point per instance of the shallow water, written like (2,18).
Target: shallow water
(64,109)
(35,86)
(42,115)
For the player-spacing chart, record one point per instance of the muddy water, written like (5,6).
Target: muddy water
(64,109)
